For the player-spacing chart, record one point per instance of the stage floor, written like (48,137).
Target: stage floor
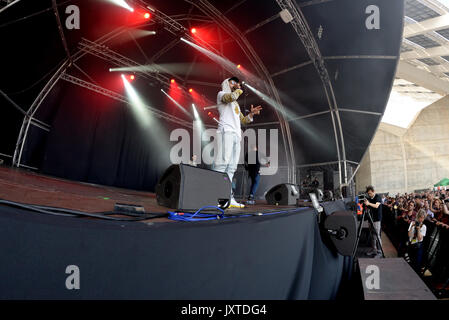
(28,187)
(265,257)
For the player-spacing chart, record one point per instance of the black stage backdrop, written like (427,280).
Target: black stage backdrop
(264,257)
(99,140)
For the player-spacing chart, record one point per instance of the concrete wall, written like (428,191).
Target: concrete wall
(403,160)
(363,175)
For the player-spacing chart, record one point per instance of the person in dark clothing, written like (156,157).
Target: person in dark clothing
(252,165)
(373,203)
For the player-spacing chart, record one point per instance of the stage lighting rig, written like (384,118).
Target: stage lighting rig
(286,16)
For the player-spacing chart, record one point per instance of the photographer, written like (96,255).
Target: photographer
(416,233)
(373,204)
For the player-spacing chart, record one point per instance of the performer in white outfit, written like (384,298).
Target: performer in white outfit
(229,130)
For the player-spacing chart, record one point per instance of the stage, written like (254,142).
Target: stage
(269,256)
(31,188)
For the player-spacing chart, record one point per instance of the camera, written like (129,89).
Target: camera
(362,197)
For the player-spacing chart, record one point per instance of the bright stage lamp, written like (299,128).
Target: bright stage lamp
(193,30)
(123,4)
(147,15)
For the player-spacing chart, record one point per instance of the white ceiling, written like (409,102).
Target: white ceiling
(423,71)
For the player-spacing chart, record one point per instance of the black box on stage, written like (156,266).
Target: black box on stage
(283,194)
(185,187)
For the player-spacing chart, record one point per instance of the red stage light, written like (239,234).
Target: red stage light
(132,77)
(147,15)
(190,90)
(172,80)
(239,66)
(193,30)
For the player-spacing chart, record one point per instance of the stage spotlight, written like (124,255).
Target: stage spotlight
(132,77)
(239,66)
(138,105)
(190,90)
(193,30)
(172,80)
(123,4)
(227,64)
(270,101)
(198,122)
(147,15)
(195,113)
(177,104)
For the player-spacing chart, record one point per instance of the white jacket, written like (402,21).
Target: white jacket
(228,107)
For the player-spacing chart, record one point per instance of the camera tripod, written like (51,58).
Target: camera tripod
(371,228)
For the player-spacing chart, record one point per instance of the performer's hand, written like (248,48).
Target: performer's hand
(366,202)
(255,110)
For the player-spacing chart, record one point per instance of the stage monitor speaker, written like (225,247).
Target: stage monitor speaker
(342,228)
(185,187)
(283,194)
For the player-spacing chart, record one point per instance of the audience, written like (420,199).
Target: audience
(435,204)
(411,213)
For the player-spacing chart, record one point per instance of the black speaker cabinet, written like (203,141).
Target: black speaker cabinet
(345,225)
(283,194)
(185,187)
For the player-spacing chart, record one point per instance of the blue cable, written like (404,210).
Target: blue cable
(198,216)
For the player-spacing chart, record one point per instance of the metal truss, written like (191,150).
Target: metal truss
(105,53)
(302,29)
(190,17)
(29,115)
(103,39)
(32,110)
(119,97)
(34,121)
(9,3)
(267,82)
(61,30)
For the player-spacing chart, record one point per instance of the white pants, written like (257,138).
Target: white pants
(227,153)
